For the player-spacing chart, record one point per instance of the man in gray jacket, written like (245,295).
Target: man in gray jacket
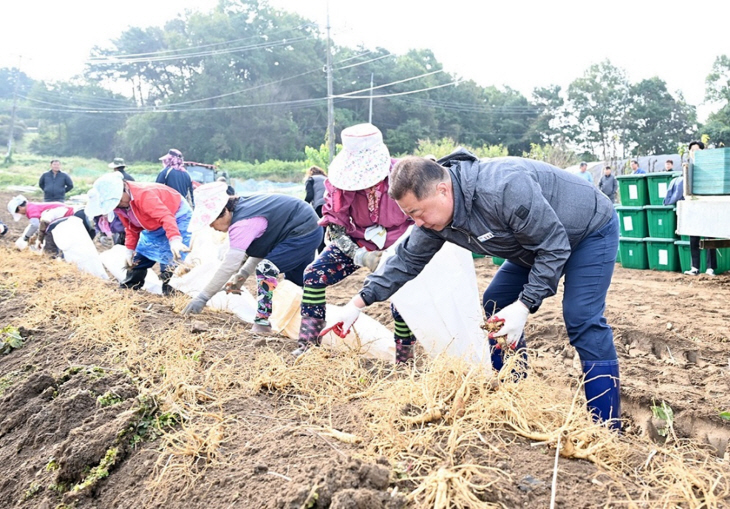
(608,184)
(55,184)
(546,222)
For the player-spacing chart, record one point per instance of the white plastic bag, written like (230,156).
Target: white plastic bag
(442,305)
(369,337)
(71,237)
(113,260)
(207,249)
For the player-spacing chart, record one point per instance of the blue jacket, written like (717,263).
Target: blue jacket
(179,180)
(675,191)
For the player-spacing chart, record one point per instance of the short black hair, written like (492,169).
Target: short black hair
(699,144)
(417,175)
(55,161)
(634,161)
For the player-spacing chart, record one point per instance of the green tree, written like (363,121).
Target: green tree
(656,121)
(598,101)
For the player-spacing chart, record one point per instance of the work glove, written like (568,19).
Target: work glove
(129,259)
(195,306)
(178,248)
(21,243)
(365,258)
(514,318)
(106,241)
(349,315)
(37,245)
(235,284)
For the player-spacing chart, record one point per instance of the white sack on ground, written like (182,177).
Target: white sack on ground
(113,260)
(442,306)
(207,250)
(369,337)
(243,306)
(73,240)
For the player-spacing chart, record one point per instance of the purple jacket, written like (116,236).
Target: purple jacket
(350,209)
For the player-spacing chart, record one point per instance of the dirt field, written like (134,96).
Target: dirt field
(116,400)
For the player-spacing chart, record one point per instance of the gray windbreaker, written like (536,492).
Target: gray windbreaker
(526,211)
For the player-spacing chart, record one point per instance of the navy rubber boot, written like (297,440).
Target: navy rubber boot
(603,392)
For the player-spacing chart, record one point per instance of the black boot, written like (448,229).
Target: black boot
(134,279)
(165,277)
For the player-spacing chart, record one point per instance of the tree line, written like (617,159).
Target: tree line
(247,82)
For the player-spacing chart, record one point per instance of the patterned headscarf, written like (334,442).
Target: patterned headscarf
(173,159)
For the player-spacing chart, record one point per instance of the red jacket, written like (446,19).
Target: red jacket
(154,206)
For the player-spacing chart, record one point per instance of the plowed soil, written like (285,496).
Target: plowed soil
(79,429)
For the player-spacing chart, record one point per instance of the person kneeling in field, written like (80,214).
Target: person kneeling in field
(19,206)
(546,222)
(280,233)
(52,218)
(155,219)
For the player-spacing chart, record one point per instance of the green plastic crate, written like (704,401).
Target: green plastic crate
(711,172)
(633,222)
(662,254)
(685,257)
(661,221)
(497,261)
(657,184)
(633,253)
(477,255)
(633,190)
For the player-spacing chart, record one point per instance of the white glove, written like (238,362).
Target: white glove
(341,327)
(21,244)
(178,248)
(365,258)
(515,318)
(129,258)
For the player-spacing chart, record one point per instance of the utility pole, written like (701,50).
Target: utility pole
(15,107)
(370,115)
(330,99)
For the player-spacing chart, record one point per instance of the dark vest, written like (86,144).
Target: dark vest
(287,217)
(318,186)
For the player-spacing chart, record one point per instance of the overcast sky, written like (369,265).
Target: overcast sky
(520,44)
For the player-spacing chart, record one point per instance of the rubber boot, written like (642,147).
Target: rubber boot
(165,277)
(134,279)
(309,334)
(602,388)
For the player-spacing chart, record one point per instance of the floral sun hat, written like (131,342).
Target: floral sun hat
(105,195)
(364,160)
(209,202)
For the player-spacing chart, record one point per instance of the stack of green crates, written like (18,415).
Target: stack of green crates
(632,221)
(711,172)
(497,261)
(660,244)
